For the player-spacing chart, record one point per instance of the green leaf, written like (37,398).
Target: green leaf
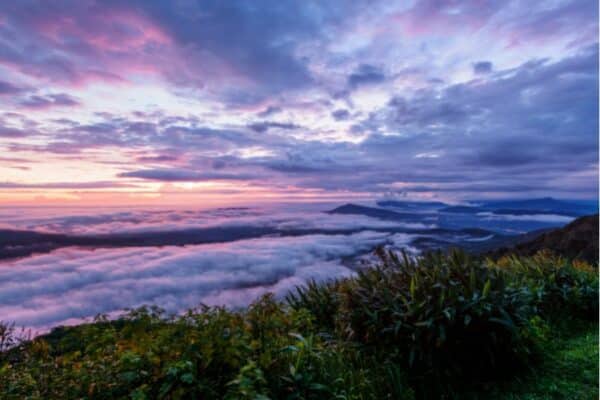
(187,378)
(486,288)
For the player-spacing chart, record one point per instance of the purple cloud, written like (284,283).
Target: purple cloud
(482,67)
(37,102)
(182,175)
(340,115)
(65,185)
(8,88)
(365,74)
(6,132)
(261,127)
(461,95)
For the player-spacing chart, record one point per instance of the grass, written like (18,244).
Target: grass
(568,370)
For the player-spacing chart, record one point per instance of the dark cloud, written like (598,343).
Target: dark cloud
(193,45)
(263,43)
(482,67)
(518,129)
(261,127)
(271,110)
(291,168)
(365,74)
(9,88)
(158,159)
(7,132)
(340,115)
(182,175)
(47,101)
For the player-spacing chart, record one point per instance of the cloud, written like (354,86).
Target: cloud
(503,94)
(65,185)
(364,75)
(271,110)
(157,159)
(9,88)
(7,132)
(261,127)
(550,218)
(517,128)
(482,67)
(71,284)
(53,100)
(340,115)
(181,175)
(164,220)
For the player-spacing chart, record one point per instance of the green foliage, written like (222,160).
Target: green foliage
(560,287)
(428,328)
(322,301)
(567,370)
(448,319)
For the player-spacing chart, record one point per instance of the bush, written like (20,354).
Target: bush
(448,320)
(559,287)
(322,301)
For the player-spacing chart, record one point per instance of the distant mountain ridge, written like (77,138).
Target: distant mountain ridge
(16,244)
(411,204)
(578,239)
(429,231)
(373,212)
(544,205)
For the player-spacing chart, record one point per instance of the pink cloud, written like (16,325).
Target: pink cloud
(445,17)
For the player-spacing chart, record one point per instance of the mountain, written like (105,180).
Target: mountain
(15,244)
(411,204)
(577,240)
(462,209)
(427,231)
(373,212)
(545,205)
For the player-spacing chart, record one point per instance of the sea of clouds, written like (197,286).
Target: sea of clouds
(82,222)
(70,285)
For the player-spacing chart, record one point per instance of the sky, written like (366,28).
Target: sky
(214,103)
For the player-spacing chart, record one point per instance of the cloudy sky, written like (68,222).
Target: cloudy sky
(212,102)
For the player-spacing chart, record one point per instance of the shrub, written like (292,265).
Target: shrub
(322,301)
(447,319)
(559,287)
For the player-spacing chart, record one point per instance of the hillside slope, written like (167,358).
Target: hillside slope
(577,240)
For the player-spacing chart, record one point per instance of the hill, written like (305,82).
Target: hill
(577,240)
(546,205)
(373,212)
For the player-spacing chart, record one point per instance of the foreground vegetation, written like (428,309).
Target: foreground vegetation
(568,369)
(437,327)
